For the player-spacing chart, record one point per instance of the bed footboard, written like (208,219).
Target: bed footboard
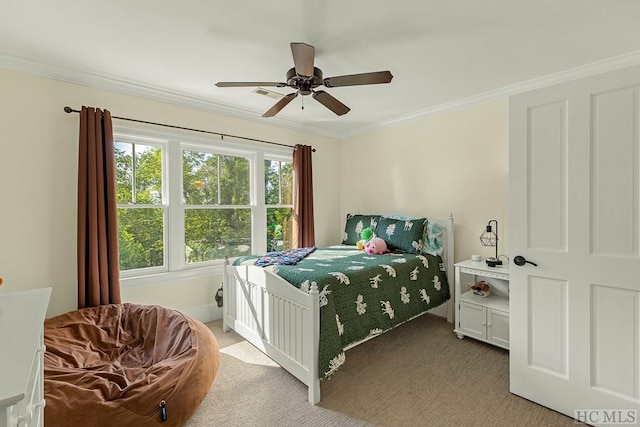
(276,317)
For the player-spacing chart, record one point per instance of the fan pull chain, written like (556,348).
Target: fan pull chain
(303,102)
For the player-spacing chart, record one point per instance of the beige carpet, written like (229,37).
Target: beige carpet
(416,375)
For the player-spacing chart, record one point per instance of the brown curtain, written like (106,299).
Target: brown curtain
(98,266)
(303,230)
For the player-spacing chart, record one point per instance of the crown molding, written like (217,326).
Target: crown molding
(154,93)
(594,68)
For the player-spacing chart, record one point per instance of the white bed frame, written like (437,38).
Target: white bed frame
(284,322)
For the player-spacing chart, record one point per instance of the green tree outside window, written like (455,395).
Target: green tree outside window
(279,200)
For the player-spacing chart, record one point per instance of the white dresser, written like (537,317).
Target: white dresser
(22,317)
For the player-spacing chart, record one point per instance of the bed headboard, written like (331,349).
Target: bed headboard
(446,225)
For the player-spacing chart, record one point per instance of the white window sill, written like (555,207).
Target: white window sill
(171,276)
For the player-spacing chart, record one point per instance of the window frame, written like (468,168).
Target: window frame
(132,138)
(174,143)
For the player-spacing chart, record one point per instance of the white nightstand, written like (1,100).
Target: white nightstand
(483,318)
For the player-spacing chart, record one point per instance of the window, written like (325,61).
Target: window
(141,211)
(185,203)
(217,217)
(278,179)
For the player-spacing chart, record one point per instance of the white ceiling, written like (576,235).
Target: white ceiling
(441,53)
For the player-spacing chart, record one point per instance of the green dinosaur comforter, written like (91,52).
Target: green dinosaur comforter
(363,295)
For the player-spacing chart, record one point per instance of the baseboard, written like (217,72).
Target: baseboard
(204,313)
(441,310)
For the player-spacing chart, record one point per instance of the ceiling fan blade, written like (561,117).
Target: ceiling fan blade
(246,84)
(280,104)
(303,55)
(359,79)
(330,102)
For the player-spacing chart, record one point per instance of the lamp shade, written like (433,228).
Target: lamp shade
(489,237)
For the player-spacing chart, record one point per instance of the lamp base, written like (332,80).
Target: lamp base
(493,262)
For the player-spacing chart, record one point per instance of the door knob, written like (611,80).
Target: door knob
(520,260)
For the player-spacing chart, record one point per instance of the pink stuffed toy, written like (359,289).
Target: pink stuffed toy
(376,246)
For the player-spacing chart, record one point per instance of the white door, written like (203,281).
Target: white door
(574,196)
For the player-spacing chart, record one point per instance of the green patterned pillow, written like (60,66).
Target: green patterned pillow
(354,226)
(402,234)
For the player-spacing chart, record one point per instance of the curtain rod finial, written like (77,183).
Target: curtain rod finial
(68,109)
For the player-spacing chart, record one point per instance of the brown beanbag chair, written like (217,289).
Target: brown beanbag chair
(114,365)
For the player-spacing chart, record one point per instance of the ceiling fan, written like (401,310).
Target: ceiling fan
(305,78)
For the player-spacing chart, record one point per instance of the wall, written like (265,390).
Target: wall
(452,162)
(38,181)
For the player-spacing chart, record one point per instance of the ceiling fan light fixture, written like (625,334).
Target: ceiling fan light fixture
(305,77)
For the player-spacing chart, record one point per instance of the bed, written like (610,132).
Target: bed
(125,365)
(306,315)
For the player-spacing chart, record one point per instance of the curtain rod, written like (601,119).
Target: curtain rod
(222,135)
